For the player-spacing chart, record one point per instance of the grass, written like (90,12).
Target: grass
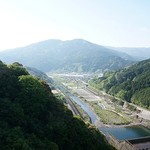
(71,84)
(109,117)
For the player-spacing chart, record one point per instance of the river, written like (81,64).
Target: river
(82,104)
(86,108)
(120,133)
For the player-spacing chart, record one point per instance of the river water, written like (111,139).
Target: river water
(120,133)
(126,133)
(82,104)
(85,107)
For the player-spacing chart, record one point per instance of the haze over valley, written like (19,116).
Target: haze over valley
(68,56)
(139,53)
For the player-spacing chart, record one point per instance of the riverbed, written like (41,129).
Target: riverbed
(120,133)
(86,108)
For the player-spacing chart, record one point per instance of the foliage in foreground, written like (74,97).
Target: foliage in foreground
(31,118)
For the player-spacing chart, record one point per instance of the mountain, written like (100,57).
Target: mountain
(131,84)
(32,118)
(39,74)
(67,56)
(139,53)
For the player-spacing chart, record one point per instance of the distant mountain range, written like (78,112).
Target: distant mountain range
(139,53)
(67,56)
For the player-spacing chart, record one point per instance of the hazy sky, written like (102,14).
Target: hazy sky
(105,22)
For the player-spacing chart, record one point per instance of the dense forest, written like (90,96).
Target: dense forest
(31,118)
(131,84)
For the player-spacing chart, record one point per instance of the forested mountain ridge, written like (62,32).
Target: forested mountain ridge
(131,84)
(39,74)
(31,118)
(67,56)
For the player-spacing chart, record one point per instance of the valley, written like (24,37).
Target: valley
(75,75)
(111,114)
(111,118)
(114,119)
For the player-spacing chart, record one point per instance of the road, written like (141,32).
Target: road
(78,86)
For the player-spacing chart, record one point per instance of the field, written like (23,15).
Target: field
(110,117)
(110,111)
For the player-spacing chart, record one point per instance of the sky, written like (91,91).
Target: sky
(118,23)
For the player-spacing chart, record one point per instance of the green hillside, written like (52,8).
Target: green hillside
(31,118)
(67,56)
(131,84)
(39,74)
